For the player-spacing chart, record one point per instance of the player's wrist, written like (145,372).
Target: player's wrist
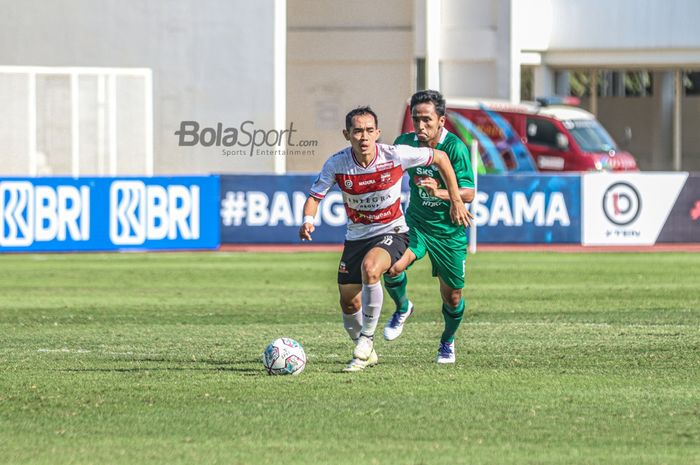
(308,219)
(443,194)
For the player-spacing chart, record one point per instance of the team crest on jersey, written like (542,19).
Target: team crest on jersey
(384,177)
(348,183)
(342,268)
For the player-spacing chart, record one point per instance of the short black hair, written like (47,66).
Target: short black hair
(366,110)
(429,96)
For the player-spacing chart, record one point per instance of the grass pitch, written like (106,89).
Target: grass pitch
(155,359)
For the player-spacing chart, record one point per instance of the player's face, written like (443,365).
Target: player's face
(427,123)
(363,135)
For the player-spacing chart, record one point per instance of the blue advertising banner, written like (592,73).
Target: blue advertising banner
(269,209)
(530,208)
(67,214)
(508,209)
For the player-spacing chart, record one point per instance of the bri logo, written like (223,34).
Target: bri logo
(139,212)
(34,213)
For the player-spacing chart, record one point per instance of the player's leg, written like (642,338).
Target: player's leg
(386,250)
(448,256)
(375,263)
(396,287)
(453,307)
(403,263)
(351,307)
(350,289)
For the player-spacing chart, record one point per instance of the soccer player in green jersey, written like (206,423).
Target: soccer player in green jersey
(431,228)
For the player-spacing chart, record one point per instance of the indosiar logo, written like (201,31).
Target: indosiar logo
(139,212)
(34,213)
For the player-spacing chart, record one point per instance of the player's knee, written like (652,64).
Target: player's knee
(453,298)
(350,306)
(371,271)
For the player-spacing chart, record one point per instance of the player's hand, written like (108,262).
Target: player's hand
(305,231)
(470,218)
(430,185)
(401,264)
(459,214)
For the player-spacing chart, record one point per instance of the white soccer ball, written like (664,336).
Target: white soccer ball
(284,356)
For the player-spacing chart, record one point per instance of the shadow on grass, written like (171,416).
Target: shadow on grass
(179,365)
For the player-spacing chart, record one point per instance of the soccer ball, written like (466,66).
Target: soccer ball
(284,356)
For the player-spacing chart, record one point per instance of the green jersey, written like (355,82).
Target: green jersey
(425,210)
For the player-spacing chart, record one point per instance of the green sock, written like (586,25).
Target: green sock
(396,288)
(453,317)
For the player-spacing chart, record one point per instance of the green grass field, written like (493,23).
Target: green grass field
(155,359)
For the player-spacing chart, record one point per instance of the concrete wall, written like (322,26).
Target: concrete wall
(477,53)
(630,24)
(341,55)
(212,60)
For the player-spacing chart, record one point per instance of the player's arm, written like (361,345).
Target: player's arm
(307,225)
(319,189)
(458,211)
(431,187)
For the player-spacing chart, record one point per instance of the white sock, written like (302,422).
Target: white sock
(372,299)
(353,324)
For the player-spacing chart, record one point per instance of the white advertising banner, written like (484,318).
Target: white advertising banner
(627,208)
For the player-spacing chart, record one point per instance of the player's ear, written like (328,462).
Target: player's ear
(441,121)
(346,134)
(378,132)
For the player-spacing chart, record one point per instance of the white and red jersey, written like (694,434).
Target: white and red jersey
(372,194)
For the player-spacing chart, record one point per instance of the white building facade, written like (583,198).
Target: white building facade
(300,65)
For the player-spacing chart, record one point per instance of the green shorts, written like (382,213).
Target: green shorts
(447,254)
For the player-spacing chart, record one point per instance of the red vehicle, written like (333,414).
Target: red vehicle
(559,137)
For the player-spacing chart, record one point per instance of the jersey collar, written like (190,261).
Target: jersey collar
(374,160)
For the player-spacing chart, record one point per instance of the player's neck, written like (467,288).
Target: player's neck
(432,143)
(365,160)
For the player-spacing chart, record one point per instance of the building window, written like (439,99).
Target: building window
(691,82)
(420,74)
(612,83)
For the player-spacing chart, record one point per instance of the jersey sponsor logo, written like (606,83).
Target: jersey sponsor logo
(369,202)
(355,184)
(426,171)
(384,215)
(139,212)
(30,213)
(385,166)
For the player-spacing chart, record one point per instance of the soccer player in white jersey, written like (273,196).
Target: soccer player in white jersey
(369,176)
